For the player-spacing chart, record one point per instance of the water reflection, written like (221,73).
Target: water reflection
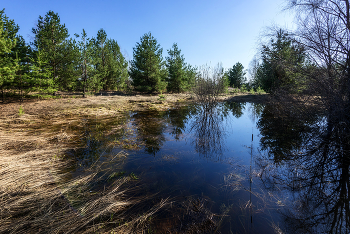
(178,119)
(221,132)
(314,149)
(208,131)
(284,134)
(97,135)
(236,108)
(150,129)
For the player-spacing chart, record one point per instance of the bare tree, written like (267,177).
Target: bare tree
(210,83)
(324,29)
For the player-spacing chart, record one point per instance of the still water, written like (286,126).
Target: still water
(231,168)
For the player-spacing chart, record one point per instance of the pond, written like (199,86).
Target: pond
(230,168)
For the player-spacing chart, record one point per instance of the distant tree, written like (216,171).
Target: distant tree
(253,73)
(190,75)
(177,80)
(147,69)
(236,75)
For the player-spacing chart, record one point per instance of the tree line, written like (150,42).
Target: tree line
(53,61)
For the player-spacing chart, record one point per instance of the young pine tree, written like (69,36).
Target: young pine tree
(116,66)
(177,80)
(110,66)
(85,61)
(8,63)
(236,75)
(50,39)
(147,69)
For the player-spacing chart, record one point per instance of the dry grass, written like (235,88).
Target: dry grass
(38,196)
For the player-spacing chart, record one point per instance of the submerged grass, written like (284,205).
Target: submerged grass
(38,195)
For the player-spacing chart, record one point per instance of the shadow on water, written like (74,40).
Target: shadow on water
(308,157)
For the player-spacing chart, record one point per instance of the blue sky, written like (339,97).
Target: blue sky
(206,31)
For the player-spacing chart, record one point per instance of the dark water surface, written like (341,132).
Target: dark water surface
(238,164)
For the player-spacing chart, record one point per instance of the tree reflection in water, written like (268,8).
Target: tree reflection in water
(314,151)
(208,131)
(150,129)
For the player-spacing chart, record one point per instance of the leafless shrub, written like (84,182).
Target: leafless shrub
(210,83)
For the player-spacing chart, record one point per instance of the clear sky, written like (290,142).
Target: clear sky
(206,31)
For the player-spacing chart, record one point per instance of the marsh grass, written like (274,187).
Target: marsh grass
(39,195)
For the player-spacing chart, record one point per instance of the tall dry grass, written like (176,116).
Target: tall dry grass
(38,196)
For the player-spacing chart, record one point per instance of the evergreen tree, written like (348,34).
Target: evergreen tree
(177,80)
(190,75)
(8,64)
(23,56)
(100,60)
(236,75)
(70,71)
(25,70)
(147,67)
(282,61)
(50,42)
(117,67)
(110,71)
(85,49)
(40,79)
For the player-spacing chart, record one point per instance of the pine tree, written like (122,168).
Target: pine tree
(147,67)
(117,72)
(110,71)
(236,75)
(100,60)
(282,60)
(8,63)
(69,72)
(190,76)
(85,60)
(50,42)
(177,81)
(39,78)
